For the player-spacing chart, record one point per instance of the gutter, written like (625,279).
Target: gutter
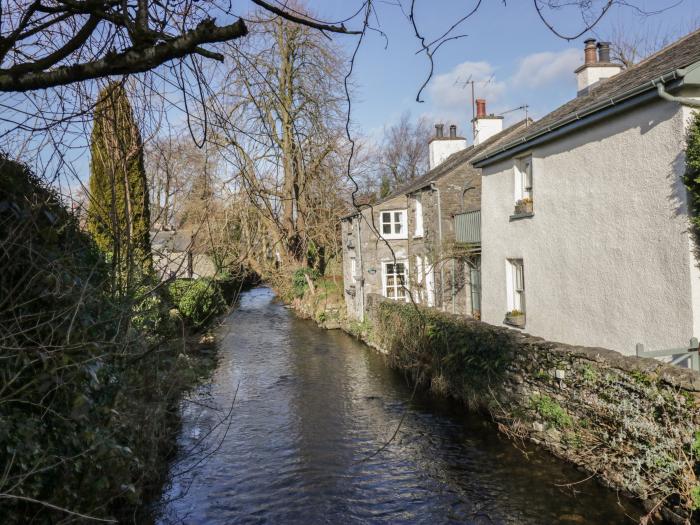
(362,269)
(689,76)
(434,187)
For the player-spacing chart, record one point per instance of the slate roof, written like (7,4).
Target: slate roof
(680,54)
(457,159)
(174,241)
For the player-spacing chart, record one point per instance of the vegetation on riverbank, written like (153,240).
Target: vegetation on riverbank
(632,423)
(91,377)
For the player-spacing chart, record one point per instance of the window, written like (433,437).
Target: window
(419,217)
(516,285)
(395,280)
(353,269)
(393,224)
(523,179)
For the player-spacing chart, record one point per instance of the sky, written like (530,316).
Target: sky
(510,53)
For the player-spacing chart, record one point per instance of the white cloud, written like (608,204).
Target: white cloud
(547,68)
(449,92)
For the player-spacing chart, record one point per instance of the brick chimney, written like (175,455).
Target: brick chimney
(441,147)
(485,126)
(480,108)
(596,65)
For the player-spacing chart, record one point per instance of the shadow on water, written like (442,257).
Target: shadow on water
(311,409)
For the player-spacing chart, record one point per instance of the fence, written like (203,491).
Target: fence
(689,356)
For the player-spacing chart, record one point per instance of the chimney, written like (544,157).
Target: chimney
(589,51)
(485,126)
(596,66)
(480,108)
(441,147)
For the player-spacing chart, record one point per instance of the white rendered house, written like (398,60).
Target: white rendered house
(585,230)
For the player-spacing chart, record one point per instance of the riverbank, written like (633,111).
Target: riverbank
(95,361)
(631,423)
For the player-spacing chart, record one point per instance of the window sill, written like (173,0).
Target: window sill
(394,238)
(418,235)
(518,216)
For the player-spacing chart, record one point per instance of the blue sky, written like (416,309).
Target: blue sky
(509,51)
(513,57)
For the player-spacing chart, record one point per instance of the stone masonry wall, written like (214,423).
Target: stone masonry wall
(633,423)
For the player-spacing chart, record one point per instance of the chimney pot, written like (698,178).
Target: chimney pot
(591,57)
(453,131)
(604,52)
(480,108)
(438,130)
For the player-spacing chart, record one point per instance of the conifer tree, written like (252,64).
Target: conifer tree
(118,212)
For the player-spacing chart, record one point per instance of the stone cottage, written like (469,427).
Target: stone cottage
(407,247)
(584,213)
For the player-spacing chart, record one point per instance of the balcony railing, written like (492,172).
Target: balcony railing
(468,227)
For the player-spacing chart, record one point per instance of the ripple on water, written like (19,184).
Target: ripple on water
(312,410)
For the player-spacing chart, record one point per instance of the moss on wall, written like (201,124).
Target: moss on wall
(632,422)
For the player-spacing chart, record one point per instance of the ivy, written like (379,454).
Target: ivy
(692,172)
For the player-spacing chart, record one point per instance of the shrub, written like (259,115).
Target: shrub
(87,406)
(197,300)
(299,284)
(551,411)
(150,313)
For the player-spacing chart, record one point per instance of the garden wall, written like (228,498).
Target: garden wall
(632,422)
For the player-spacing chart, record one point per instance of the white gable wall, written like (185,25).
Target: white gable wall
(606,254)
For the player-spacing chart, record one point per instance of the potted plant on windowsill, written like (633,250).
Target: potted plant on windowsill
(515,318)
(523,206)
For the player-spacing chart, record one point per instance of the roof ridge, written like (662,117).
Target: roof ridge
(662,50)
(454,160)
(630,82)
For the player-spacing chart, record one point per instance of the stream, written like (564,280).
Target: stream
(293,428)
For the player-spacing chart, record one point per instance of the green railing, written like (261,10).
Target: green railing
(468,227)
(688,355)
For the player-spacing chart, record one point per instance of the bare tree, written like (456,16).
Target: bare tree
(282,130)
(403,154)
(175,165)
(629,45)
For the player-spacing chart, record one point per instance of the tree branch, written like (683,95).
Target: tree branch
(132,60)
(304,21)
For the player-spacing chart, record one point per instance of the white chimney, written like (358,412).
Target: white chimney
(441,147)
(596,67)
(485,126)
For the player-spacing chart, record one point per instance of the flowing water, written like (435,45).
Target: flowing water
(291,428)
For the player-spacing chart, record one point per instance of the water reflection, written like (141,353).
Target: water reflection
(313,407)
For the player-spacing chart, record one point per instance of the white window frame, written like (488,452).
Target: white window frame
(393,223)
(419,278)
(515,284)
(418,200)
(523,178)
(396,288)
(429,283)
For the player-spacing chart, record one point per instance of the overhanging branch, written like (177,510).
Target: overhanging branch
(133,60)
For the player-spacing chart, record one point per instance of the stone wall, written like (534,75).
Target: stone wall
(633,423)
